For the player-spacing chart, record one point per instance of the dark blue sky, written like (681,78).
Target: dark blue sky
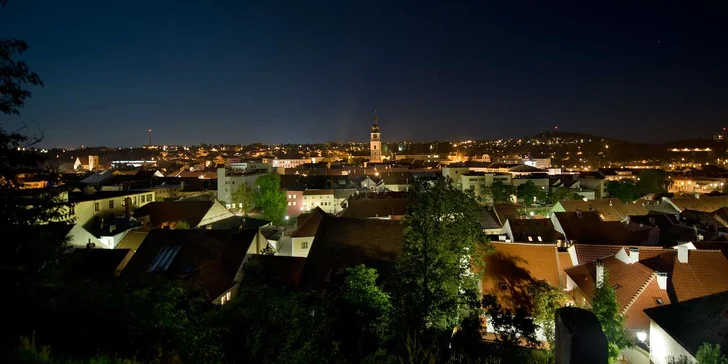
(311,71)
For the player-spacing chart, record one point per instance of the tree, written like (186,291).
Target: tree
(710,354)
(546,300)
(500,192)
(364,314)
(434,288)
(530,193)
(605,307)
(563,194)
(30,249)
(244,196)
(181,225)
(653,181)
(270,198)
(511,326)
(625,190)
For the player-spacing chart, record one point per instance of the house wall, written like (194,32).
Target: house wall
(294,200)
(297,249)
(663,345)
(325,202)
(79,237)
(86,210)
(227,184)
(598,185)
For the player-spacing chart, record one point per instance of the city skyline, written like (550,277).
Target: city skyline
(296,73)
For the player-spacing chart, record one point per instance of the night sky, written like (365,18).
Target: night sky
(302,71)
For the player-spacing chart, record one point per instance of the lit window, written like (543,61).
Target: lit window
(229,296)
(294,203)
(539,239)
(659,301)
(289,203)
(530,238)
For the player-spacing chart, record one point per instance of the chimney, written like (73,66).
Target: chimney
(634,255)
(127,207)
(682,253)
(600,272)
(662,280)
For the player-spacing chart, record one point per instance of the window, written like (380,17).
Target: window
(96,206)
(617,286)
(502,286)
(289,197)
(659,301)
(530,238)
(143,199)
(111,204)
(229,296)
(134,201)
(289,203)
(539,238)
(472,187)
(375,146)
(294,203)
(304,245)
(149,197)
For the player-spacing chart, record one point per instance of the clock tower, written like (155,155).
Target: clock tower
(375,142)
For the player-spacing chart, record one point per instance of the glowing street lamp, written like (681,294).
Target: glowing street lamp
(641,336)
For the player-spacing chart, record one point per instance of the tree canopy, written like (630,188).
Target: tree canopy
(563,194)
(625,190)
(500,191)
(435,287)
(270,199)
(653,181)
(529,193)
(606,309)
(244,198)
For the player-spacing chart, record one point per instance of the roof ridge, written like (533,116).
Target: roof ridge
(639,293)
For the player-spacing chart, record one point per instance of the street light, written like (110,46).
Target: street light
(641,336)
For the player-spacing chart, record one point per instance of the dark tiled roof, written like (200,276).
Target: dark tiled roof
(343,242)
(166,212)
(209,258)
(505,211)
(239,222)
(703,203)
(694,322)
(586,227)
(523,229)
(100,262)
(610,209)
(488,219)
(309,223)
(379,207)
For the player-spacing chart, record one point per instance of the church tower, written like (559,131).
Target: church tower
(375,142)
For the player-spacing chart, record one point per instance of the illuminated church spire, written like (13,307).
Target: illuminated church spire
(375,141)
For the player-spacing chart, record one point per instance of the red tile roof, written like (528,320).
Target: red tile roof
(513,266)
(628,279)
(636,317)
(705,273)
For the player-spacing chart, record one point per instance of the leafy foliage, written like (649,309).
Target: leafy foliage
(435,288)
(710,354)
(653,181)
(245,196)
(529,193)
(181,225)
(511,326)
(500,191)
(625,190)
(606,309)
(270,198)
(563,194)
(14,77)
